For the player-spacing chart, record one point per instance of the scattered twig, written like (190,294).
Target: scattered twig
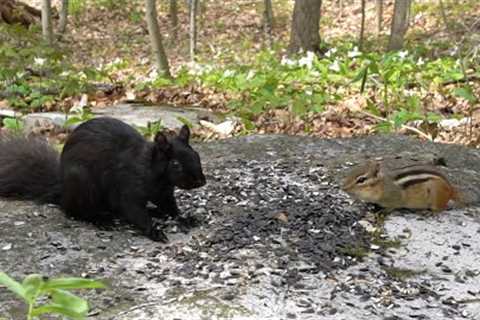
(406,127)
(473,300)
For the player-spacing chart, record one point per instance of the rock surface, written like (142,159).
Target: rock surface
(276,239)
(172,117)
(135,115)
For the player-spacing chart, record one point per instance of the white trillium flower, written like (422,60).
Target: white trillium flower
(228,73)
(39,61)
(335,66)
(198,69)
(287,61)
(250,74)
(420,61)
(454,51)
(409,93)
(307,61)
(114,62)
(403,54)
(354,53)
(330,52)
(152,75)
(195,69)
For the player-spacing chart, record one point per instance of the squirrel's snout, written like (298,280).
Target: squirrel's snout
(200,182)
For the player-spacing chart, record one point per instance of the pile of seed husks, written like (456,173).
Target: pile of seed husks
(286,212)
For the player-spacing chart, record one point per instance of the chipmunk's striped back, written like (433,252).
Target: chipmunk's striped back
(411,175)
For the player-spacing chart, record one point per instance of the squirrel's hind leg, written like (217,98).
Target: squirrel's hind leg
(81,198)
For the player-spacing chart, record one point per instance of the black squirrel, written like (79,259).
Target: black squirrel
(105,166)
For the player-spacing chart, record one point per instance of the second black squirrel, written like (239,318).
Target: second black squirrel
(105,166)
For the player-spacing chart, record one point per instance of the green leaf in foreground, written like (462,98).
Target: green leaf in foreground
(12,285)
(35,290)
(58,309)
(73,283)
(33,285)
(64,303)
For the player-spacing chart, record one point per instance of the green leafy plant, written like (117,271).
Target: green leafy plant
(151,129)
(13,124)
(395,84)
(34,76)
(54,294)
(185,121)
(78,115)
(76,7)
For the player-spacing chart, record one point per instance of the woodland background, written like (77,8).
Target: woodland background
(333,68)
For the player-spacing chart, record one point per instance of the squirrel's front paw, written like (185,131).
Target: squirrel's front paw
(186,223)
(157,234)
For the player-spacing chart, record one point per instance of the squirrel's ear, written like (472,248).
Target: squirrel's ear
(184,134)
(161,142)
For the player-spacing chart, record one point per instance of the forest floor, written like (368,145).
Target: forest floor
(114,33)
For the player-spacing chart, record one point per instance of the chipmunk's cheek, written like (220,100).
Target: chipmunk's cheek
(367,194)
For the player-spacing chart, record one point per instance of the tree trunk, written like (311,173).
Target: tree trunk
(399,24)
(305,33)
(12,11)
(444,15)
(340,7)
(202,11)
(379,16)
(362,27)
(268,22)
(62,25)
(174,18)
(47,21)
(193,28)
(156,39)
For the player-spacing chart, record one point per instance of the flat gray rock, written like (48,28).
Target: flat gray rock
(171,117)
(134,114)
(276,239)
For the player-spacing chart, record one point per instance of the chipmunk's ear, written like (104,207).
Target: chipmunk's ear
(374,168)
(440,161)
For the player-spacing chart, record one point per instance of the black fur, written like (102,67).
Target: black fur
(29,169)
(105,166)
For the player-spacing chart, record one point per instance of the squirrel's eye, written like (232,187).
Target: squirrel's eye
(361,179)
(176,163)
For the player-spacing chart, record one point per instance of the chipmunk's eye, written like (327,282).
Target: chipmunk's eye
(361,179)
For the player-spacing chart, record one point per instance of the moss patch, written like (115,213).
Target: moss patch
(402,273)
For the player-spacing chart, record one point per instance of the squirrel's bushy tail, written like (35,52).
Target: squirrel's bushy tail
(29,169)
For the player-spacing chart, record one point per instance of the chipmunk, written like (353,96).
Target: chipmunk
(412,187)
